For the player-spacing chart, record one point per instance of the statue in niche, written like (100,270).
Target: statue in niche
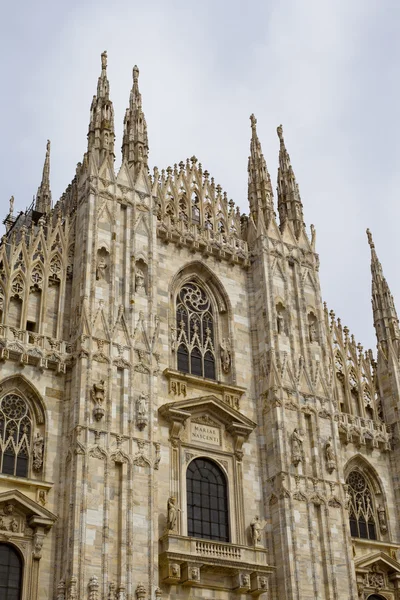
(280,318)
(172,514)
(139,281)
(14,525)
(256,527)
(38,446)
(297,445)
(382,518)
(312,328)
(226,355)
(330,456)
(101,266)
(98,394)
(141,411)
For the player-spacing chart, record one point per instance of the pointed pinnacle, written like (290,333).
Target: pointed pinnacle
(370,240)
(135,73)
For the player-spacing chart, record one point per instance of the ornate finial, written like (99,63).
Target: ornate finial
(48,148)
(280,132)
(11,206)
(253,121)
(104,60)
(370,240)
(135,73)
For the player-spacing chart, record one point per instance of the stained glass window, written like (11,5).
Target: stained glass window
(361,507)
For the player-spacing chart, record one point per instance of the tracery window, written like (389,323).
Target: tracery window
(195,325)
(361,507)
(207,501)
(10,573)
(15,436)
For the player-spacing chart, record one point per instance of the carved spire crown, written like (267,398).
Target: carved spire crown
(43,196)
(135,145)
(386,322)
(290,206)
(101,133)
(260,193)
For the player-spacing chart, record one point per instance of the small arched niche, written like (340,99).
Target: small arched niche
(281,318)
(141,273)
(102,264)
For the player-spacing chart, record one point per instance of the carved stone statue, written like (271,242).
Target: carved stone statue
(256,527)
(280,323)
(101,267)
(3,525)
(225,355)
(382,518)
(312,331)
(141,411)
(297,445)
(330,456)
(139,281)
(38,446)
(98,392)
(172,514)
(14,525)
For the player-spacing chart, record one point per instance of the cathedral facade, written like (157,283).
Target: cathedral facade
(180,414)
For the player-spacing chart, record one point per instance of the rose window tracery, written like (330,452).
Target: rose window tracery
(15,436)
(195,326)
(361,507)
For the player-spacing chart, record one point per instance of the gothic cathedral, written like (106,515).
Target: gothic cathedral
(180,415)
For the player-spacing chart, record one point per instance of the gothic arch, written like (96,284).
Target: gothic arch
(359,462)
(19,384)
(202,274)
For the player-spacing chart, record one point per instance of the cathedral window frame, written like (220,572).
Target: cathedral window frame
(196,331)
(364,501)
(14,550)
(19,387)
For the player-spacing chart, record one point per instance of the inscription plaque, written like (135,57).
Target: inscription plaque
(205,433)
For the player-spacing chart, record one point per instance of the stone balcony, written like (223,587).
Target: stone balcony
(363,431)
(187,561)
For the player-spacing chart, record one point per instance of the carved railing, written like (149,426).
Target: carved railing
(362,430)
(218,550)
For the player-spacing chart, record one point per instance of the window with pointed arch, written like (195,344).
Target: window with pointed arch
(207,501)
(16,437)
(10,573)
(195,327)
(362,514)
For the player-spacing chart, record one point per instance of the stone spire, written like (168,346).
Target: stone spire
(290,207)
(101,134)
(43,196)
(135,146)
(386,322)
(260,192)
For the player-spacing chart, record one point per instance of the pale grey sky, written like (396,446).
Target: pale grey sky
(328,70)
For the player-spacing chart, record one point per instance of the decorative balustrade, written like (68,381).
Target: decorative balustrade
(218,550)
(361,430)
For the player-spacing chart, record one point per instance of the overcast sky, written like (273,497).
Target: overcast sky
(327,70)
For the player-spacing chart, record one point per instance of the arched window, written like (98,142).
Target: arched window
(15,436)
(361,507)
(10,573)
(207,501)
(195,325)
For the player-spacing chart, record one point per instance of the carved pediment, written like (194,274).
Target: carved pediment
(209,411)
(377,561)
(35,514)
